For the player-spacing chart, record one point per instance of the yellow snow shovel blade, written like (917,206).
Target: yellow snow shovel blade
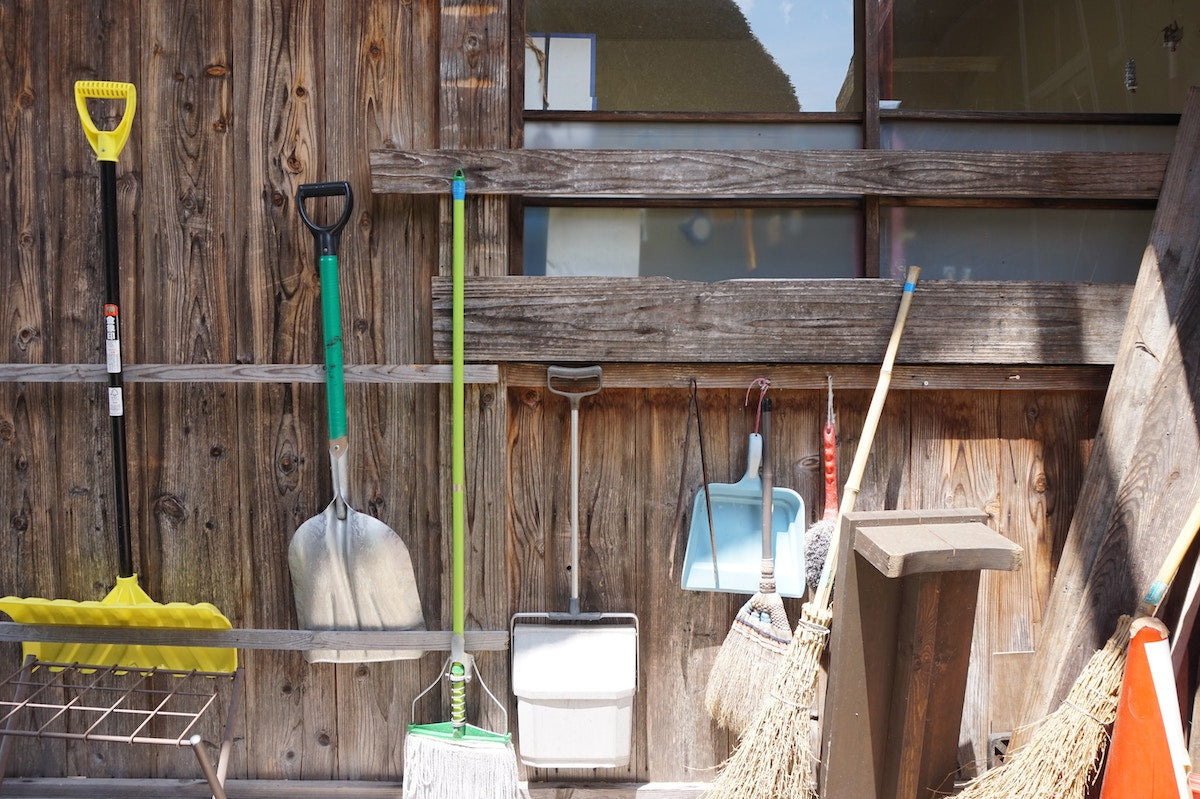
(128,606)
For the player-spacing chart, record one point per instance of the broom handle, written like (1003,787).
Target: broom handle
(1158,589)
(458,467)
(859,465)
(768,499)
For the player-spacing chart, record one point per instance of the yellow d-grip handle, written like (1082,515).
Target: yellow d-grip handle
(106,143)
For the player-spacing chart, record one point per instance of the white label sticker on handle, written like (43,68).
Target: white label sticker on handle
(112,356)
(116,402)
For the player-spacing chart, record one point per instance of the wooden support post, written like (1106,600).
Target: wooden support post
(901,641)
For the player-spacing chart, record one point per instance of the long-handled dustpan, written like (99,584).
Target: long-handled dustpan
(350,571)
(455,758)
(736,533)
(127,605)
(574,674)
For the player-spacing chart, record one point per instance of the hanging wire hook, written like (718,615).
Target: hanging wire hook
(830,414)
(763,383)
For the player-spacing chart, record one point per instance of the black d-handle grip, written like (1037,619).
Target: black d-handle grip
(327,236)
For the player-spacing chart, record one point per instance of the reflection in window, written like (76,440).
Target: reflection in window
(1124,56)
(1086,245)
(688,55)
(702,244)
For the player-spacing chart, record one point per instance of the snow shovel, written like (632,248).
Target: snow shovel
(575,673)
(737,531)
(350,571)
(126,605)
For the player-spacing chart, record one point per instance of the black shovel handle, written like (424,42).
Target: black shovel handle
(327,236)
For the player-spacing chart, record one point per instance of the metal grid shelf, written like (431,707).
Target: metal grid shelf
(85,702)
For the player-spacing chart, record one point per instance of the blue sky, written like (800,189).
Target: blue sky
(812,40)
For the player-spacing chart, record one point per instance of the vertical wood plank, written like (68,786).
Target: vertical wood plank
(185,506)
(956,463)
(290,712)
(682,630)
(1044,446)
(371,53)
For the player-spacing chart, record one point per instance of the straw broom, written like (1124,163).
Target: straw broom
(1064,754)
(774,759)
(754,647)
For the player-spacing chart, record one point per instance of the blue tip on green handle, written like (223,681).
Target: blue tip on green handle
(331,324)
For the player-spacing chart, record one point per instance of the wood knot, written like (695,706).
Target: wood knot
(26,336)
(8,430)
(170,506)
(19,522)
(324,739)
(216,70)
(25,99)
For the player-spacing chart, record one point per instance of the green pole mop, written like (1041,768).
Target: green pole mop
(455,759)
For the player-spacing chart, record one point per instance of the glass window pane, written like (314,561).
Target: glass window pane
(1039,55)
(911,135)
(1087,245)
(691,136)
(688,55)
(692,243)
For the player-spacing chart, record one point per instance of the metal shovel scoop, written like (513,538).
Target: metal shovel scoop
(350,571)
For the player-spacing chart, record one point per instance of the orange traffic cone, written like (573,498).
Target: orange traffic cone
(1147,758)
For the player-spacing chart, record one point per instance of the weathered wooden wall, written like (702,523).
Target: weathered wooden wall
(239,103)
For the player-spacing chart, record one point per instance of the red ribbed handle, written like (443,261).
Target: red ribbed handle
(829,438)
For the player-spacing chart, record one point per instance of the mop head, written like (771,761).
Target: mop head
(747,662)
(1064,754)
(775,757)
(447,768)
(816,546)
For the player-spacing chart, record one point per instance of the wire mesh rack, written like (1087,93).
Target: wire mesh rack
(157,707)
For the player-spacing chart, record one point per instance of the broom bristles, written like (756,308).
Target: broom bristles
(747,662)
(440,768)
(1064,754)
(775,757)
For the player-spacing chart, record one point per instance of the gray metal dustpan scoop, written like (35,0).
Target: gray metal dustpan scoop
(350,571)
(737,533)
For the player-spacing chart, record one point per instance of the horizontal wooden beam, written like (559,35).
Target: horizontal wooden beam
(730,174)
(476,640)
(845,376)
(126,788)
(241,373)
(659,320)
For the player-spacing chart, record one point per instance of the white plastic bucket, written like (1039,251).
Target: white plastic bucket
(574,685)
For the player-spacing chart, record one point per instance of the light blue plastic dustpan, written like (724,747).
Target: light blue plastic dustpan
(737,525)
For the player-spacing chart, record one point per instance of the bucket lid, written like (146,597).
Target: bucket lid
(574,661)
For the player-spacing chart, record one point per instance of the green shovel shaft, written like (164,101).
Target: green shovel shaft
(331,325)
